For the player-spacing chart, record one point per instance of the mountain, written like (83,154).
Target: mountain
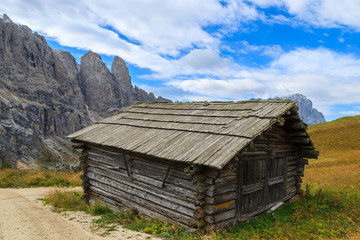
(45,95)
(307,113)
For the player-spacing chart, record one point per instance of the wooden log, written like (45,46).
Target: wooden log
(200,187)
(281,122)
(292,178)
(200,177)
(292,172)
(213,209)
(303,161)
(290,189)
(212,173)
(78,145)
(309,153)
(218,199)
(298,134)
(225,180)
(291,183)
(300,169)
(218,190)
(210,181)
(199,213)
(297,126)
(220,216)
(245,154)
(200,202)
(194,169)
(292,163)
(301,140)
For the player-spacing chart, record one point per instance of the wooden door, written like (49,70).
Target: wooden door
(261,182)
(276,180)
(252,179)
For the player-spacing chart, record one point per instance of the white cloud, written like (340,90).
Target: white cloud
(324,76)
(152,29)
(319,61)
(324,13)
(226,88)
(169,38)
(267,50)
(350,112)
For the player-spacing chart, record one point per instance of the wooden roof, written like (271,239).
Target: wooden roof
(186,132)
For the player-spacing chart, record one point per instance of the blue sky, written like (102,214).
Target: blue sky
(189,50)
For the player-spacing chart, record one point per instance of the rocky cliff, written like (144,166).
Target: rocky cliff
(308,114)
(45,95)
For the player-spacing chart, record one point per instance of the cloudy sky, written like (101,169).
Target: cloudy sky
(189,50)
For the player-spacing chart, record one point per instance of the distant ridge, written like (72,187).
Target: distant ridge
(308,114)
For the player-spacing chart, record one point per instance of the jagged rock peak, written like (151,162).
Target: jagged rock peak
(121,74)
(307,113)
(5,18)
(100,89)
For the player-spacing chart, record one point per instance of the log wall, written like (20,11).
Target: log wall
(156,188)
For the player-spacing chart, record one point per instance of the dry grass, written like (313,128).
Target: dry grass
(38,178)
(338,166)
(65,199)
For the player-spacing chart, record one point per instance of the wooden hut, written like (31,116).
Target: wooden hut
(200,165)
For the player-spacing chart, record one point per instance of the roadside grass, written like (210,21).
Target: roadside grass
(11,178)
(316,214)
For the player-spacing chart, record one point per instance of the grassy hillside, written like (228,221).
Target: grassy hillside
(338,166)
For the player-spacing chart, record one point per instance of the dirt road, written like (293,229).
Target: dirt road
(23,216)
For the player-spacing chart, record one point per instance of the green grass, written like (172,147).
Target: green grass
(11,178)
(317,214)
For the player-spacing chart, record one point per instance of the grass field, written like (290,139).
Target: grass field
(338,167)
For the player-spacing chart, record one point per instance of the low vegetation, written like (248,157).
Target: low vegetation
(316,214)
(12,178)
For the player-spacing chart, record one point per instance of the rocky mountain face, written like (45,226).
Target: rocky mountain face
(45,95)
(307,113)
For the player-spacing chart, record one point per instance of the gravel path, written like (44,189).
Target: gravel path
(23,216)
